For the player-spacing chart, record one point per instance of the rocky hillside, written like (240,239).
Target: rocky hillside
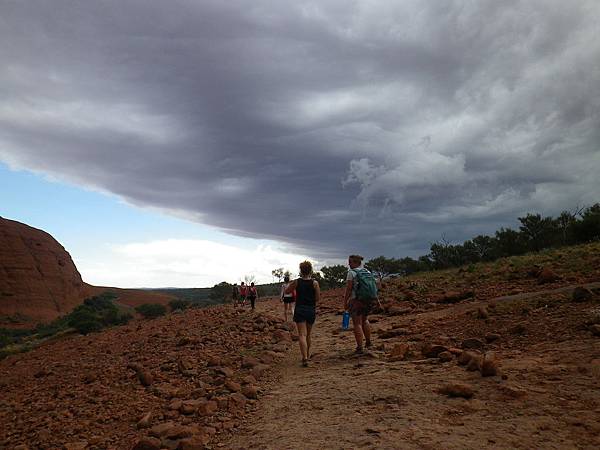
(38,279)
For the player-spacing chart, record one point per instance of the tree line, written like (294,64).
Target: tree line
(535,233)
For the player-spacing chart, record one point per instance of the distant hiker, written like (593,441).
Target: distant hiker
(235,294)
(252,294)
(243,293)
(287,299)
(361,293)
(308,294)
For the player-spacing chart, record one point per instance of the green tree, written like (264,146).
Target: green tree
(334,276)
(278,273)
(537,230)
(588,228)
(221,291)
(151,310)
(383,266)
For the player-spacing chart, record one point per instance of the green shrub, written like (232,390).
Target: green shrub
(179,304)
(151,310)
(86,326)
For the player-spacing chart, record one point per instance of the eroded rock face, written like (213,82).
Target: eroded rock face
(38,279)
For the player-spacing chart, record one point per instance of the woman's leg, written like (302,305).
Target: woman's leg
(302,340)
(308,329)
(358,331)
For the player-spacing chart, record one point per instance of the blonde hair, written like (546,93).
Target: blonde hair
(306,268)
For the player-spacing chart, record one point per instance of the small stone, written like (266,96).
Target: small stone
(399,352)
(472,343)
(482,313)
(492,337)
(258,371)
(226,371)
(547,275)
(208,408)
(433,351)
(457,390)
(161,429)
(489,366)
(145,377)
(474,364)
(233,386)
(595,329)
(582,294)
(214,361)
(446,356)
(250,391)
(249,361)
(147,443)
(513,391)
(144,422)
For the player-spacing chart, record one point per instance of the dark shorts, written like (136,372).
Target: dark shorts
(305,314)
(288,300)
(360,307)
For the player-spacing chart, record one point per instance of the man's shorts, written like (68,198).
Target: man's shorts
(360,307)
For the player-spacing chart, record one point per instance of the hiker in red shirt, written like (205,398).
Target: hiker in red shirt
(252,294)
(243,293)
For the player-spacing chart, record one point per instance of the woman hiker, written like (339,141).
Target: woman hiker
(287,299)
(308,294)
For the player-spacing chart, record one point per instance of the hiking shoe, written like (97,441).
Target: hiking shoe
(359,351)
(368,344)
(305,363)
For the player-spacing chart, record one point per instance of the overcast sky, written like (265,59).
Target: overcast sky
(332,127)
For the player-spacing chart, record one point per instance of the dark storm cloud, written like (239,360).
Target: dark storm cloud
(333,126)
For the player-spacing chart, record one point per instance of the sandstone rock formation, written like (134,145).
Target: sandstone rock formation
(38,279)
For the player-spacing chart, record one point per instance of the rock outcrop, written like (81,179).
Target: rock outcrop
(38,279)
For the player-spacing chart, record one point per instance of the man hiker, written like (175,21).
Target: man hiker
(361,293)
(243,293)
(235,295)
(252,295)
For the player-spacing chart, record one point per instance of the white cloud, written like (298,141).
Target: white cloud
(185,263)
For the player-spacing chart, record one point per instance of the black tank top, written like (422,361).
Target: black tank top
(305,293)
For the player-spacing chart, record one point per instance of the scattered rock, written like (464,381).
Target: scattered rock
(226,371)
(250,391)
(233,386)
(388,334)
(472,343)
(145,377)
(492,337)
(433,351)
(465,357)
(518,329)
(144,422)
(489,366)
(214,361)
(208,408)
(513,391)
(482,313)
(282,336)
(446,356)
(147,443)
(474,364)
(547,275)
(249,361)
(595,329)
(582,294)
(258,371)
(161,429)
(457,390)
(454,297)
(399,352)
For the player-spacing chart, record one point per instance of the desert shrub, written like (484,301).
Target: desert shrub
(49,329)
(179,304)
(151,310)
(85,320)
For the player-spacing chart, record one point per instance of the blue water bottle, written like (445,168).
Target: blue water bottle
(345,320)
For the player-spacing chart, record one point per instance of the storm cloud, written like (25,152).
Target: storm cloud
(332,126)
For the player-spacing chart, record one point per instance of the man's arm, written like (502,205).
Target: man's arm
(348,293)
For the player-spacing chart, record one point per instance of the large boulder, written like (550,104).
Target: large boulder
(38,279)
